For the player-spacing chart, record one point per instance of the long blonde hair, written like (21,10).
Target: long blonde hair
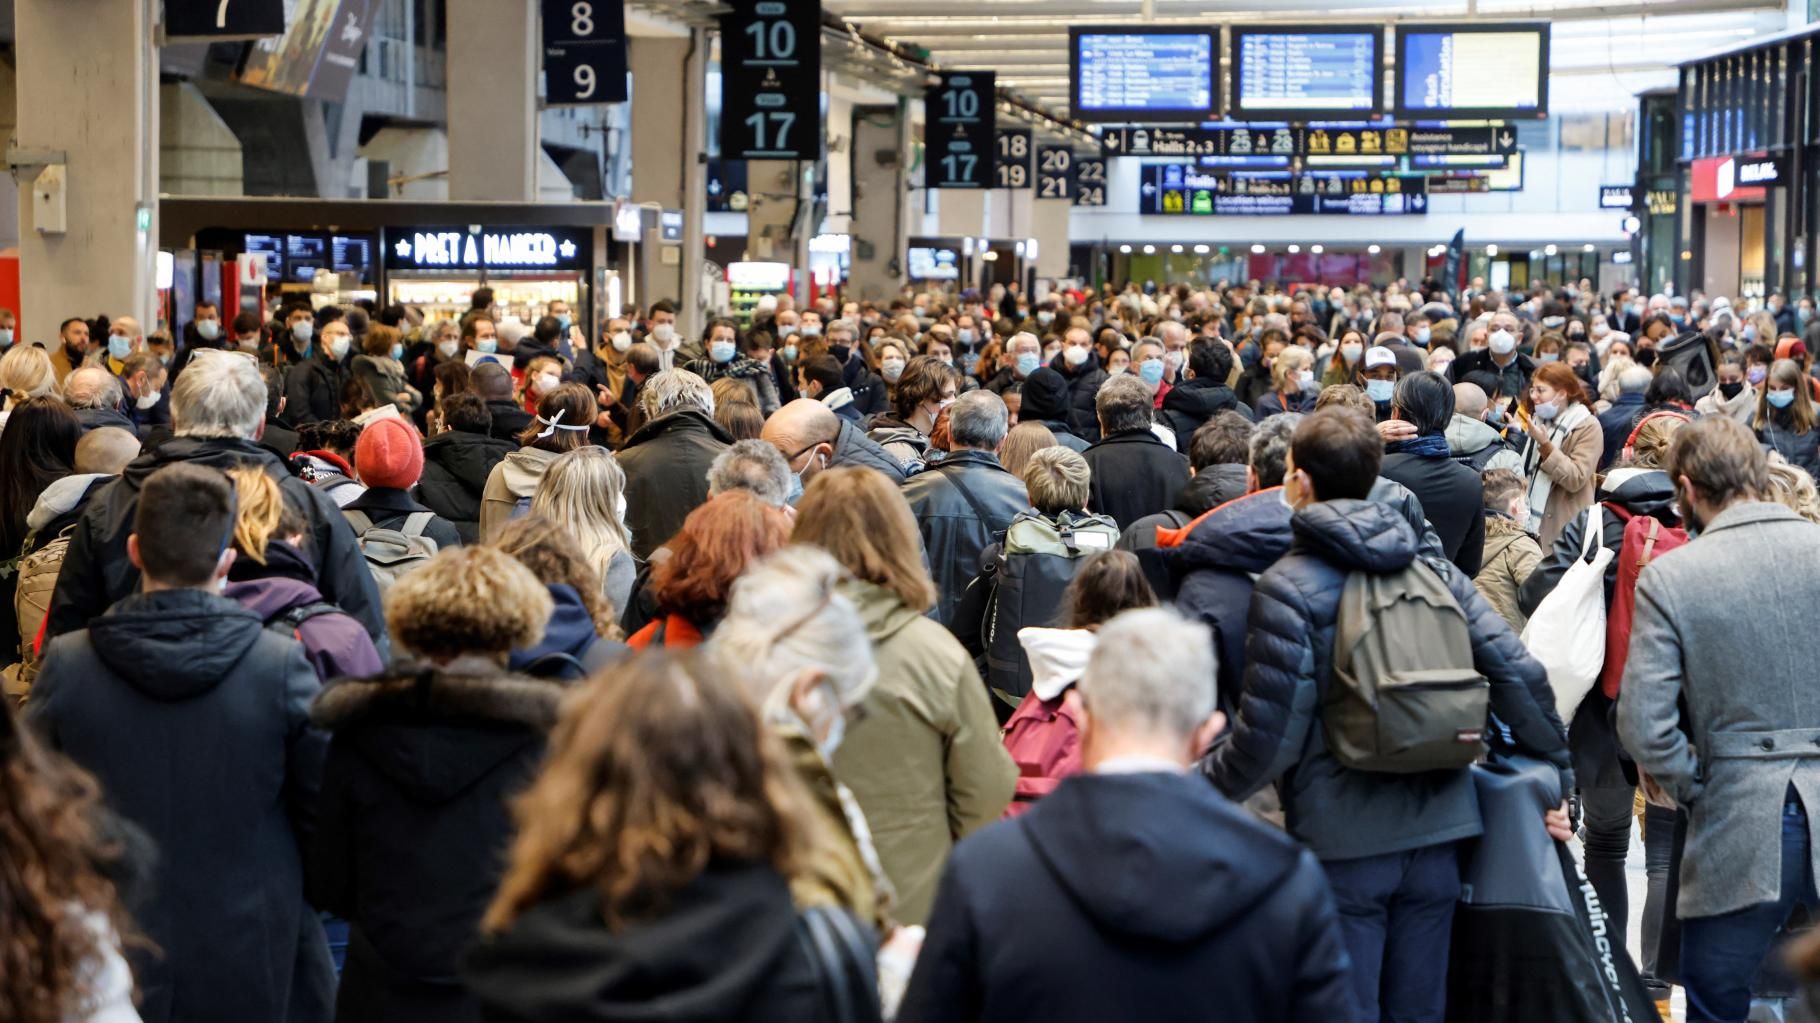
(581,491)
(263,514)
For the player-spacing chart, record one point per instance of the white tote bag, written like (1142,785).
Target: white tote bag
(1567,632)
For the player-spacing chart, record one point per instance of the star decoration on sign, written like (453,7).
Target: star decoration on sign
(567,249)
(403,248)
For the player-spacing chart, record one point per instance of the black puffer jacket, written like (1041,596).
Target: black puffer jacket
(666,464)
(313,389)
(943,498)
(413,823)
(96,571)
(1083,386)
(1215,567)
(455,469)
(1277,736)
(1189,405)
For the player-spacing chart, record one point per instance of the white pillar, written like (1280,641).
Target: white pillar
(881,201)
(493,125)
(1049,226)
(87,88)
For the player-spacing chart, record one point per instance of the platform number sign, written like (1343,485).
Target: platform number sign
(960,111)
(1011,158)
(584,51)
(1054,172)
(770,83)
(223,19)
(1089,181)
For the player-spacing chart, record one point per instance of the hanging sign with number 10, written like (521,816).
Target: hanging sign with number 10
(770,80)
(584,51)
(960,111)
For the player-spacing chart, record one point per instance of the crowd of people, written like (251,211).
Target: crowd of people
(975,656)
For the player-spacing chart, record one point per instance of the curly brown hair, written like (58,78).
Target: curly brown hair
(554,556)
(655,771)
(716,543)
(467,600)
(50,880)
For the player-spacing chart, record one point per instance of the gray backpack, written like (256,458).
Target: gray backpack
(1405,696)
(393,553)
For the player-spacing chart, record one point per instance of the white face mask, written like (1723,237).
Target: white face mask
(664,333)
(622,340)
(146,401)
(891,369)
(1502,342)
(447,349)
(1074,355)
(547,382)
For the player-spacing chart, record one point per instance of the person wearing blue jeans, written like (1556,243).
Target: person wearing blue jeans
(1396,914)
(1720,954)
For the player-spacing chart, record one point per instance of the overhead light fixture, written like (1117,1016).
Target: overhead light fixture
(1589,247)
(1177,249)
(1124,250)
(1257,250)
(1490,251)
(1149,250)
(1549,250)
(1316,249)
(1374,249)
(1293,249)
(989,256)
(1202,250)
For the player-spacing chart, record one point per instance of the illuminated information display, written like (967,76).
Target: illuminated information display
(1145,76)
(1277,70)
(1478,70)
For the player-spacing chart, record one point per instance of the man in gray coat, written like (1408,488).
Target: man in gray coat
(1745,761)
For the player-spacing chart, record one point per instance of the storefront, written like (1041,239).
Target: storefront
(430,255)
(1734,201)
(438,268)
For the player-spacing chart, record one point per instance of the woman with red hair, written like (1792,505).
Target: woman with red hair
(1566,443)
(716,543)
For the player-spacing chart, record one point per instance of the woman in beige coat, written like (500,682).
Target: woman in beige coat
(1563,459)
(925,763)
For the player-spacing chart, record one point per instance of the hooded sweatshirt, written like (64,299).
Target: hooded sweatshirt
(1042,735)
(512,481)
(63,497)
(1467,437)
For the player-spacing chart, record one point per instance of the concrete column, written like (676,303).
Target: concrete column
(881,200)
(492,100)
(666,140)
(88,103)
(961,212)
(1049,226)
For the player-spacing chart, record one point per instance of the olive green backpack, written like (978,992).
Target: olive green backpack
(1405,696)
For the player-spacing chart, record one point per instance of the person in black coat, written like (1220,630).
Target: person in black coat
(1218,894)
(667,460)
(1452,496)
(415,808)
(313,388)
(493,383)
(1134,473)
(1203,394)
(129,698)
(1382,837)
(456,464)
(1621,418)
(592,924)
(96,571)
(963,502)
(1078,364)
(1045,401)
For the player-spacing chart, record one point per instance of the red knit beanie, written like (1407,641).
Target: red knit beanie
(389,453)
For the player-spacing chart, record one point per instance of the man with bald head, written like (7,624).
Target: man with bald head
(95,395)
(812,438)
(1474,441)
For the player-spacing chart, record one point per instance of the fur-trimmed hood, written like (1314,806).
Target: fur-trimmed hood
(434,733)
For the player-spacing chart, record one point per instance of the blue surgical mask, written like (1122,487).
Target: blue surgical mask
(1422,336)
(721,351)
(1150,371)
(6,337)
(795,493)
(1380,390)
(209,329)
(119,347)
(338,348)
(964,335)
(1780,399)
(1547,357)
(1547,410)
(789,353)
(1027,364)
(398,351)
(303,330)
(811,330)
(487,345)
(565,322)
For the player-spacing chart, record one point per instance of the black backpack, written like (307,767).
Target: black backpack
(1036,561)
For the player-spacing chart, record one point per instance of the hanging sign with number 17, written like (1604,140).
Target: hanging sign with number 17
(584,51)
(770,80)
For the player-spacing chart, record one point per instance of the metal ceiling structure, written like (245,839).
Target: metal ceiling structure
(898,42)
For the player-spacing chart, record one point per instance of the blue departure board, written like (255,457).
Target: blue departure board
(1309,70)
(1477,70)
(1159,74)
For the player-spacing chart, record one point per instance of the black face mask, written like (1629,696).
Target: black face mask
(1732,389)
(840,352)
